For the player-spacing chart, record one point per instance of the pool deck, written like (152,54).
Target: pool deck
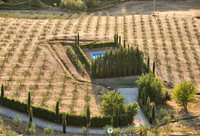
(94,50)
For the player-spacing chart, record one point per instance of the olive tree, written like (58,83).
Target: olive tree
(184,93)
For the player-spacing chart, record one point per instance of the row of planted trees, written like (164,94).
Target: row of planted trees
(118,62)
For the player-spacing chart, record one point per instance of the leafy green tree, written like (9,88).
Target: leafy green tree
(153,86)
(185,93)
(2,90)
(111,102)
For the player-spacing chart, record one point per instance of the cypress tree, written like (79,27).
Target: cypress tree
(120,41)
(148,62)
(88,114)
(117,37)
(100,66)
(30,115)
(153,112)
(106,62)
(130,64)
(116,117)
(2,90)
(154,65)
(57,108)
(78,39)
(75,41)
(144,97)
(135,64)
(29,101)
(124,43)
(94,68)
(64,123)
(148,104)
(140,65)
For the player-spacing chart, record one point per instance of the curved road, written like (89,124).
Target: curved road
(130,95)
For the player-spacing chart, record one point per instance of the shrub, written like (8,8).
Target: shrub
(163,112)
(48,130)
(166,119)
(36,3)
(111,101)
(85,131)
(91,3)
(17,120)
(132,109)
(74,4)
(184,93)
(8,132)
(30,128)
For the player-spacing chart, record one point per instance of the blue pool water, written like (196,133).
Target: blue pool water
(96,54)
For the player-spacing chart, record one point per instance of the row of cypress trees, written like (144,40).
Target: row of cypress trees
(118,62)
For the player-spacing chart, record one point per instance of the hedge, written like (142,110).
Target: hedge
(76,120)
(98,45)
(13,104)
(125,119)
(83,56)
(72,119)
(100,121)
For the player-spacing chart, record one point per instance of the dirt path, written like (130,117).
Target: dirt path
(138,6)
(146,6)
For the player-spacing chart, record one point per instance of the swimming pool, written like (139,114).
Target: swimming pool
(96,54)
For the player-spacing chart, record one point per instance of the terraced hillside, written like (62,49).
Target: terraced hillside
(27,64)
